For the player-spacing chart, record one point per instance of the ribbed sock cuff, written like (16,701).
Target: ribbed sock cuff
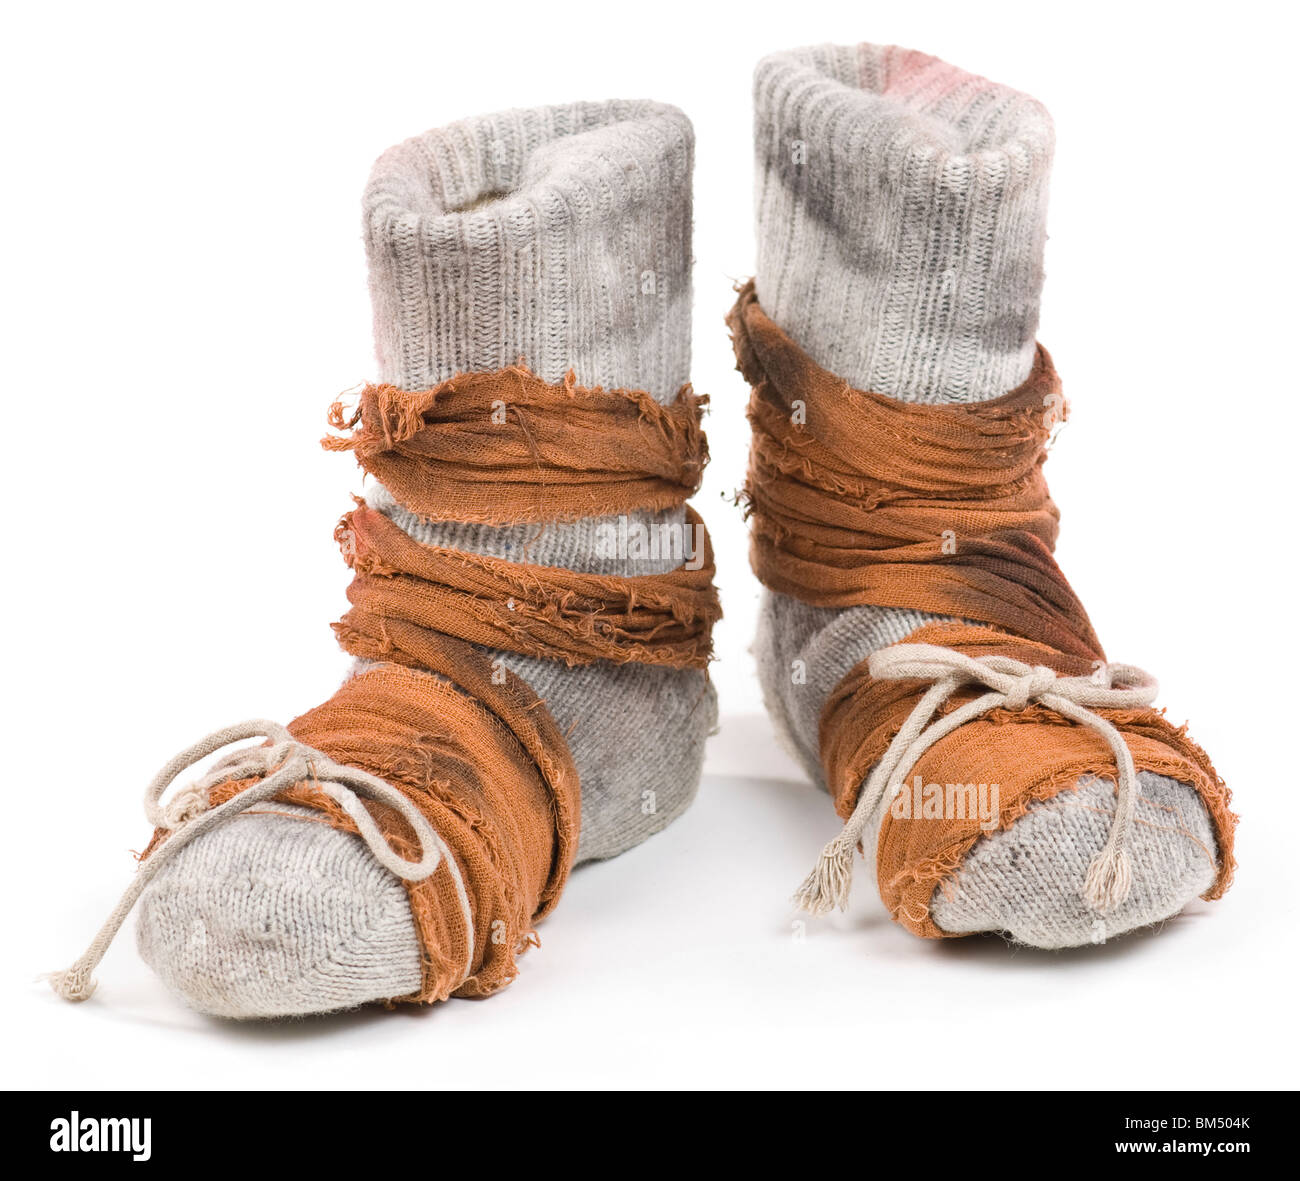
(559,235)
(901,219)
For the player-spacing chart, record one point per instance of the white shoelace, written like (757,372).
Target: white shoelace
(1012,685)
(279,766)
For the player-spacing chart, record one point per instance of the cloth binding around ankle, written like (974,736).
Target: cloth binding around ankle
(860,499)
(545,611)
(856,498)
(461,737)
(506,447)
(549,452)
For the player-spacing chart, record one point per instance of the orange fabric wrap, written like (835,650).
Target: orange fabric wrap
(1031,754)
(856,498)
(472,745)
(486,765)
(859,499)
(535,610)
(505,447)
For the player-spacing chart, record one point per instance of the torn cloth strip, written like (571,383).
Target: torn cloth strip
(507,447)
(544,611)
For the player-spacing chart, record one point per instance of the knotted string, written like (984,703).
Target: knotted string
(278,767)
(1012,685)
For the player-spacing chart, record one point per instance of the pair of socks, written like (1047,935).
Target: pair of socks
(531,597)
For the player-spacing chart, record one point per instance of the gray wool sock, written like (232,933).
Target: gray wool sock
(901,208)
(561,237)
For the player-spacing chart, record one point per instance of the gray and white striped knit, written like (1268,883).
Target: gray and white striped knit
(901,207)
(560,236)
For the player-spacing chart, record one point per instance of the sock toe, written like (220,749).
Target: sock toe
(1027,880)
(279,915)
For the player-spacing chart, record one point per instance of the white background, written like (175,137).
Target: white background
(184,293)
